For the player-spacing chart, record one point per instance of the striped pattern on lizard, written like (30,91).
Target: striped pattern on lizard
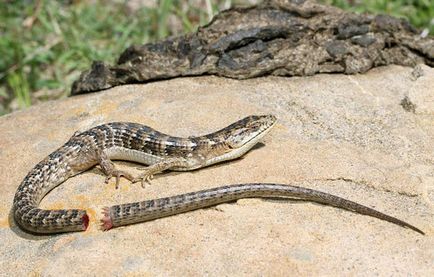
(139,143)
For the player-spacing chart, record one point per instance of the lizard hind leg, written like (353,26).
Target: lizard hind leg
(110,170)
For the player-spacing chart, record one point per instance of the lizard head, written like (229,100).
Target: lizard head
(246,132)
(238,138)
(241,136)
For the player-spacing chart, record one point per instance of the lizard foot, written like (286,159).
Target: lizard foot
(144,178)
(118,174)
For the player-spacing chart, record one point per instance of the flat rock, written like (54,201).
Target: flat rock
(368,138)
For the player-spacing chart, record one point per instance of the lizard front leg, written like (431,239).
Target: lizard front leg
(159,167)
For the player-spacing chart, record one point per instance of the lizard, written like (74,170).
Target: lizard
(135,142)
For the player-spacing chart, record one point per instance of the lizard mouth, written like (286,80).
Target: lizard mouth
(259,135)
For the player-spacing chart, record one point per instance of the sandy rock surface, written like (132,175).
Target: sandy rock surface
(368,138)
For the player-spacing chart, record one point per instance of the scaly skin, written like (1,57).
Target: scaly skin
(139,143)
(125,214)
(125,141)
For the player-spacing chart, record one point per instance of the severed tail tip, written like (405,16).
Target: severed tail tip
(106,221)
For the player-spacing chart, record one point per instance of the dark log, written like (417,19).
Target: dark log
(283,38)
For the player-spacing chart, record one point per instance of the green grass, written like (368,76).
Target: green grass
(419,12)
(44,45)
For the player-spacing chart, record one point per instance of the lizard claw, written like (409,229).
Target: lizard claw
(118,174)
(144,178)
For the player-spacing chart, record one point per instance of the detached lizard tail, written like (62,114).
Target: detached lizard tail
(125,214)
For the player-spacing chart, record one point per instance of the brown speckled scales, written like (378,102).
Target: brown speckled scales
(124,214)
(124,141)
(139,143)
